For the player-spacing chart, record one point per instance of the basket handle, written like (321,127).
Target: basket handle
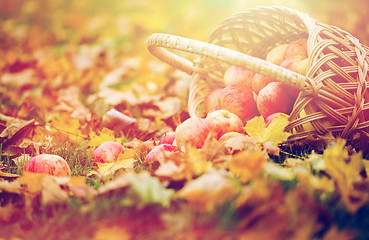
(157,43)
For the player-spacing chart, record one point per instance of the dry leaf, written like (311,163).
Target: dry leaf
(109,169)
(33,181)
(210,190)
(247,164)
(52,192)
(345,170)
(274,132)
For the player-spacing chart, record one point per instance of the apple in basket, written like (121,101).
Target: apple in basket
(276,55)
(259,82)
(222,121)
(296,64)
(324,122)
(107,152)
(273,98)
(193,131)
(238,99)
(48,164)
(235,74)
(211,100)
(298,47)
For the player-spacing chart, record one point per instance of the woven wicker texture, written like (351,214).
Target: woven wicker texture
(333,94)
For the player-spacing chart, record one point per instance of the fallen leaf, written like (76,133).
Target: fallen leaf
(345,170)
(247,164)
(274,132)
(105,135)
(10,187)
(109,169)
(210,190)
(33,181)
(52,193)
(7,175)
(149,189)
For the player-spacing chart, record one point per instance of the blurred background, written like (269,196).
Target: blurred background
(125,24)
(47,46)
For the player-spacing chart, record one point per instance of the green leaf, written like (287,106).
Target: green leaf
(149,189)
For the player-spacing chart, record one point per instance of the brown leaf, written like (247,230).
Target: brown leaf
(7,175)
(210,190)
(52,193)
(240,143)
(69,101)
(14,128)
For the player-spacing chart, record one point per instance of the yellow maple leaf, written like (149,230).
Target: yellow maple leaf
(345,170)
(104,135)
(63,123)
(274,132)
(33,181)
(210,190)
(247,164)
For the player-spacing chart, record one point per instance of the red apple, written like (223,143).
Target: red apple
(292,63)
(298,47)
(228,135)
(276,55)
(107,152)
(238,99)
(211,99)
(273,116)
(296,64)
(48,164)
(192,131)
(157,153)
(168,137)
(273,98)
(235,74)
(302,67)
(260,81)
(223,121)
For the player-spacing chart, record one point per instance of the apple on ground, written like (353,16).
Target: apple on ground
(168,137)
(298,47)
(48,164)
(238,99)
(259,82)
(273,98)
(157,153)
(211,99)
(228,135)
(107,152)
(222,121)
(235,74)
(276,55)
(193,131)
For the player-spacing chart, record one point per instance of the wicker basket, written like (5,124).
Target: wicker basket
(337,66)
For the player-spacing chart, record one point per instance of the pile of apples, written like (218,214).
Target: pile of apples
(246,95)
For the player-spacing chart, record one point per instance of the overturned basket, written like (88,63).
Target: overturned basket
(336,79)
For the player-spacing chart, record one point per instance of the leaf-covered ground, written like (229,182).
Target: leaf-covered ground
(75,74)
